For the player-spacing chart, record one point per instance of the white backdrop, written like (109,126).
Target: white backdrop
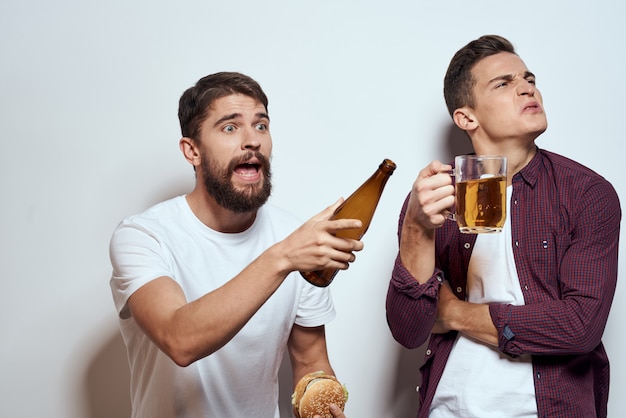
(88,100)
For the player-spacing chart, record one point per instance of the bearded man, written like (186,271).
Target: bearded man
(207,285)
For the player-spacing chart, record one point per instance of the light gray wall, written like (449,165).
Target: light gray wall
(88,100)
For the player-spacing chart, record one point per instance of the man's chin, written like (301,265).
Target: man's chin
(243,207)
(244,201)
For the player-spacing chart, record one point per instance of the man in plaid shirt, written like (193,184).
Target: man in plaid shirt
(515,319)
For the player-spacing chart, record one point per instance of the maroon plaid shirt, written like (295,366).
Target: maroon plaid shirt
(565,222)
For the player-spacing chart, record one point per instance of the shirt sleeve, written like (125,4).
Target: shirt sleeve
(136,257)
(411,306)
(316,305)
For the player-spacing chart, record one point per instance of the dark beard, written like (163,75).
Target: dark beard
(218,185)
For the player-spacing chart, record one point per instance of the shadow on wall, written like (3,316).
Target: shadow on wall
(404,398)
(107,381)
(455,142)
(285,384)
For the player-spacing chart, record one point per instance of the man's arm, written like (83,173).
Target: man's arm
(431,195)
(187,331)
(412,297)
(471,319)
(308,353)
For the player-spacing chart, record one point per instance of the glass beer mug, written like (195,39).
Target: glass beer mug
(480,193)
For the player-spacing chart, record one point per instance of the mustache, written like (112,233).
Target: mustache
(262,160)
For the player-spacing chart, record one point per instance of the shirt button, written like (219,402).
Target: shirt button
(428,352)
(459,290)
(467,245)
(417,388)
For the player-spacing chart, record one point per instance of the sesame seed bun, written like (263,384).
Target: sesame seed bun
(315,392)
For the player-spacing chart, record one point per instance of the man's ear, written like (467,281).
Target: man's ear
(464,118)
(190,150)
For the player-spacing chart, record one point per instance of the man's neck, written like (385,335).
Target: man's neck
(518,153)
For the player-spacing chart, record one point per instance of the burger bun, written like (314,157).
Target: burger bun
(315,392)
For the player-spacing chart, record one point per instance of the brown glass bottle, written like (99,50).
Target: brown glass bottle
(359,205)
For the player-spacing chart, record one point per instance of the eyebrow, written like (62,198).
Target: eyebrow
(510,77)
(232,116)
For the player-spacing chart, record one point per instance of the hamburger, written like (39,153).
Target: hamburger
(315,392)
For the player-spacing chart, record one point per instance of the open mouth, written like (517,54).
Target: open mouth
(247,170)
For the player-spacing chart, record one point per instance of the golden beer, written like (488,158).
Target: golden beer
(481,204)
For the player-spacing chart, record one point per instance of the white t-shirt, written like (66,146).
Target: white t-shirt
(479,380)
(240,379)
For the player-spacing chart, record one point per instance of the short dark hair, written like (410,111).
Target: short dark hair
(459,82)
(195,102)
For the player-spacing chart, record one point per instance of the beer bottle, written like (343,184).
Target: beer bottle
(359,205)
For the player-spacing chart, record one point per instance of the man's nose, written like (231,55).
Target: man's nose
(251,140)
(527,88)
